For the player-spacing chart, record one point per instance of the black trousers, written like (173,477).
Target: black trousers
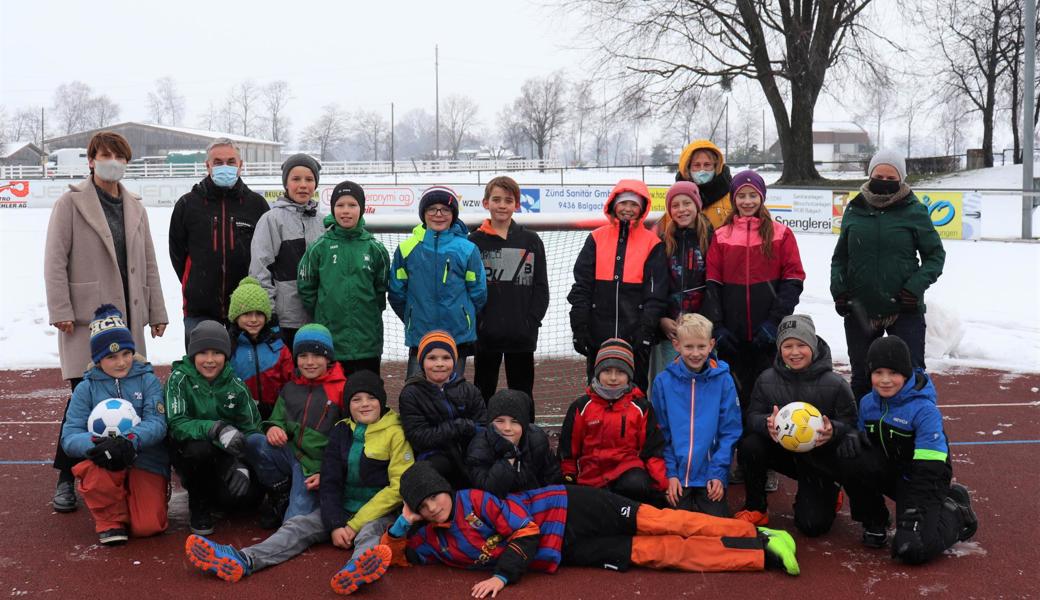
(62,462)
(449,468)
(202,468)
(288,335)
(361,364)
(519,373)
(599,529)
(746,364)
(910,327)
(695,499)
(816,472)
(636,484)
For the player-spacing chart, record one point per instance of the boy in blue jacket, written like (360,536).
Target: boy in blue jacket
(437,279)
(123,479)
(696,404)
(901,451)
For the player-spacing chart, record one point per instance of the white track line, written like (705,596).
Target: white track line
(30,422)
(1036,403)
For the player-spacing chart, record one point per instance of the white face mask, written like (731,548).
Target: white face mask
(109,170)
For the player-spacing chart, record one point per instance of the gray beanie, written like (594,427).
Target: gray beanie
(300,160)
(799,327)
(893,158)
(209,335)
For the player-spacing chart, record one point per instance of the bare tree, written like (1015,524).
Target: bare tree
(510,131)
(667,47)
(969,36)
(327,131)
(540,110)
(25,125)
(244,100)
(458,120)
(165,103)
(276,98)
(370,129)
(952,121)
(878,94)
(1012,54)
(911,110)
(212,118)
(4,132)
(414,132)
(103,112)
(72,106)
(581,104)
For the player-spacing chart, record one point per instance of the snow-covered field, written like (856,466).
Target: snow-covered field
(982,313)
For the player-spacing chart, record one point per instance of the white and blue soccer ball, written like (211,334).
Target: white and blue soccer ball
(112,417)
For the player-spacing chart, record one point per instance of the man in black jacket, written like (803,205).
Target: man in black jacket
(210,232)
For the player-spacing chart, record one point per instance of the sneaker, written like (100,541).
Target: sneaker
(736,473)
(113,537)
(64,500)
(366,568)
(780,547)
(959,495)
(221,560)
(201,522)
(772,481)
(755,517)
(875,536)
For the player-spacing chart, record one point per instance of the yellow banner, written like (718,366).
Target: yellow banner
(945,208)
(657,198)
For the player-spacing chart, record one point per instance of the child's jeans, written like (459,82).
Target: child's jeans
(661,356)
(134,499)
(274,465)
(303,531)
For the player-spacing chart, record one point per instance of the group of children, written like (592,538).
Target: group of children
(461,474)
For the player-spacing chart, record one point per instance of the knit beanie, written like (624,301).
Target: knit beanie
(300,160)
(615,352)
(747,177)
(314,338)
(420,482)
(892,158)
(249,297)
(799,327)
(109,333)
(439,194)
(683,188)
(437,339)
(510,403)
(365,381)
(348,188)
(628,189)
(890,352)
(209,335)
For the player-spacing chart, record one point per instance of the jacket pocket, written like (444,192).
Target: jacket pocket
(85,298)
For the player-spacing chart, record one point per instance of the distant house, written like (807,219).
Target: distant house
(840,141)
(151,140)
(23,153)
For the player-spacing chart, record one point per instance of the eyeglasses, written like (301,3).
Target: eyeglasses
(438,210)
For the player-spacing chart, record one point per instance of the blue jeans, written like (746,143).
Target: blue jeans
(660,357)
(273,466)
(910,327)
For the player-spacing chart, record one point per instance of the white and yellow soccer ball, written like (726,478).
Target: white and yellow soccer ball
(797,425)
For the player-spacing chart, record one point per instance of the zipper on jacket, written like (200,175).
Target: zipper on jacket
(231,233)
(881,428)
(747,279)
(213,230)
(303,419)
(689,449)
(256,367)
(622,426)
(223,258)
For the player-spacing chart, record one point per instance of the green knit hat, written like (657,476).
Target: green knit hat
(247,297)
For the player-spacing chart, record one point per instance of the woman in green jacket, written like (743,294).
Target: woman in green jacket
(887,255)
(342,282)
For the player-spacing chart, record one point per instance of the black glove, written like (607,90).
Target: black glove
(504,448)
(852,444)
(765,335)
(581,343)
(464,428)
(842,304)
(725,342)
(229,437)
(907,301)
(237,479)
(104,452)
(123,454)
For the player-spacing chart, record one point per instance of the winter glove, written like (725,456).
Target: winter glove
(852,444)
(841,304)
(237,480)
(504,448)
(123,454)
(229,437)
(765,335)
(907,301)
(581,343)
(464,428)
(104,452)
(725,342)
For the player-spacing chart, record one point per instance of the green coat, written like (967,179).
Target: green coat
(877,255)
(194,404)
(342,282)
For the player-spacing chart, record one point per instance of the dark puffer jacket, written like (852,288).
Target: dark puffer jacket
(535,464)
(441,420)
(817,384)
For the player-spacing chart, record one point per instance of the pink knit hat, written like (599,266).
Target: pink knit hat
(683,188)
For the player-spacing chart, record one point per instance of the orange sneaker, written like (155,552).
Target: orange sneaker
(366,568)
(755,517)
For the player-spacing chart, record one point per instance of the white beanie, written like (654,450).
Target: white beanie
(890,157)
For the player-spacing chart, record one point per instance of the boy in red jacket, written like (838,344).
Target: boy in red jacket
(610,437)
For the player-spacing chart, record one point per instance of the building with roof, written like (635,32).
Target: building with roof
(147,139)
(840,141)
(24,153)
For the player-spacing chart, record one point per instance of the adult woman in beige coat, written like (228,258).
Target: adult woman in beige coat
(89,260)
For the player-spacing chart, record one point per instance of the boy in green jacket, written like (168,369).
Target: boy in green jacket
(342,281)
(210,415)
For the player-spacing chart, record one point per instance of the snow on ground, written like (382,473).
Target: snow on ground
(982,313)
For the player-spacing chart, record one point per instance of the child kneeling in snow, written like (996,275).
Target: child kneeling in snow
(124,478)
(360,476)
(571,525)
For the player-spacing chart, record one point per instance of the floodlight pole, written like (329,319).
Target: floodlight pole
(437,103)
(1027,119)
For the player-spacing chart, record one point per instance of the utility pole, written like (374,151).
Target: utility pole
(1028,201)
(727,125)
(437,102)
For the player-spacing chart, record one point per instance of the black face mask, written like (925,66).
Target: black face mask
(883,187)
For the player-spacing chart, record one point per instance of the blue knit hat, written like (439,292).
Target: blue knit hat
(314,338)
(109,333)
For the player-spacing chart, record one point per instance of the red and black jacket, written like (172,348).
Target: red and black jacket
(600,440)
(745,288)
(210,232)
(620,279)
